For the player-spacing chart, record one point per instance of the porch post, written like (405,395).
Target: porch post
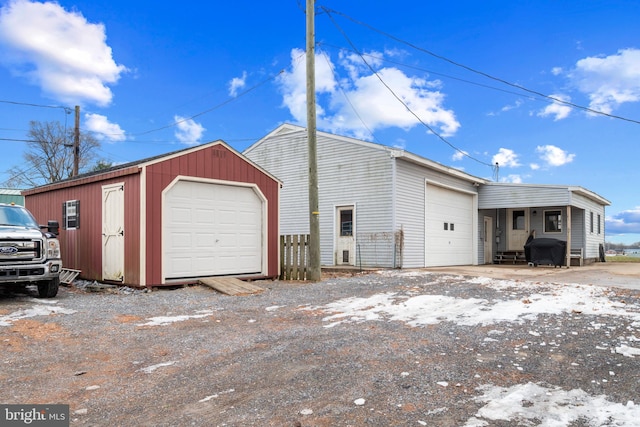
(568,253)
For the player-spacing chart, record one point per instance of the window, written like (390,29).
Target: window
(599,229)
(71,214)
(518,220)
(591,222)
(552,221)
(346,222)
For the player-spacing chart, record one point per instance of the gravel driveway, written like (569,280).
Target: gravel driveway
(389,348)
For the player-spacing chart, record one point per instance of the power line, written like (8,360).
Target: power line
(464,153)
(222,104)
(473,70)
(28,104)
(435,73)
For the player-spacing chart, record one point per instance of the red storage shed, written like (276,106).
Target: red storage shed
(198,212)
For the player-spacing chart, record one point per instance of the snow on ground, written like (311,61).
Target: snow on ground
(522,404)
(167,320)
(552,406)
(419,310)
(41,308)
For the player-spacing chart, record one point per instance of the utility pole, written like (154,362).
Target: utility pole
(314,272)
(76,142)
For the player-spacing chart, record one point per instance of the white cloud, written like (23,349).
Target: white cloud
(513,178)
(188,131)
(556,71)
(624,222)
(103,129)
(237,83)
(506,158)
(459,155)
(611,80)
(59,51)
(554,156)
(514,106)
(367,99)
(534,166)
(556,109)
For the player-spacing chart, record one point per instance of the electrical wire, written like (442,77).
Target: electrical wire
(222,104)
(473,70)
(464,153)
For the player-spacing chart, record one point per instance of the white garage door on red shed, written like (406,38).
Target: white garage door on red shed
(448,227)
(211,229)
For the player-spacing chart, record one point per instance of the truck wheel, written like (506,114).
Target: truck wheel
(48,289)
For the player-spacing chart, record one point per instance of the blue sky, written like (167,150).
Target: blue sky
(550,90)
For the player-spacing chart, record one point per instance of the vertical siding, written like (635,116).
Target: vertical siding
(215,162)
(82,248)
(349,173)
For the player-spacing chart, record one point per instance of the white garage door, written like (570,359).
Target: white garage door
(449,231)
(212,229)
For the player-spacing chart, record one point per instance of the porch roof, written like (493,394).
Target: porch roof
(493,195)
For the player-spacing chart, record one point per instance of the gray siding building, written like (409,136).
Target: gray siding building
(385,207)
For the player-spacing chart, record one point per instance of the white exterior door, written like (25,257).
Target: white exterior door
(212,229)
(345,239)
(113,232)
(448,227)
(517,229)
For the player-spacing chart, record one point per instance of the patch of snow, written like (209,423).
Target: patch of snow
(423,310)
(625,350)
(532,404)
(39,309)
(150,369)
(167,320)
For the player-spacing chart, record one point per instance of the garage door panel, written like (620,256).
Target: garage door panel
(447,209)
(212,229)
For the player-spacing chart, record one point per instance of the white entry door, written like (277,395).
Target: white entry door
(345,240)
(113,232)
(518,228)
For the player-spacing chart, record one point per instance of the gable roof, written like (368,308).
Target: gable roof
(393,151)
(135,167)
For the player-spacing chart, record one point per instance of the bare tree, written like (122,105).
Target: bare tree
(49,155)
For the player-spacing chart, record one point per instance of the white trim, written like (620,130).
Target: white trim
(256,189)
(143,226)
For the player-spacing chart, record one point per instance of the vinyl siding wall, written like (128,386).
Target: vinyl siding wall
(349,173)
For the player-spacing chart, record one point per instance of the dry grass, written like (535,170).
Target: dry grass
(622,258)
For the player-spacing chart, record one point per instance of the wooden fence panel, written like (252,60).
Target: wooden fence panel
(294,255)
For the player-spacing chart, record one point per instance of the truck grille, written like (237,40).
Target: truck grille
(20,250)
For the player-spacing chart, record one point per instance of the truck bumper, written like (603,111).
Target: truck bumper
(30,272)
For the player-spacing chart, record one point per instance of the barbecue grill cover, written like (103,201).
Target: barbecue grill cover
(546,251)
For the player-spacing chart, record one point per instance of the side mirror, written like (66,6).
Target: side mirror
(53,227)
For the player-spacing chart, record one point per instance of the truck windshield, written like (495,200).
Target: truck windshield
(16,216)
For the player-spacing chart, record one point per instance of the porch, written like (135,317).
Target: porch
(511,214)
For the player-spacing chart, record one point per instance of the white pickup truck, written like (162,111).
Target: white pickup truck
(28,255)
